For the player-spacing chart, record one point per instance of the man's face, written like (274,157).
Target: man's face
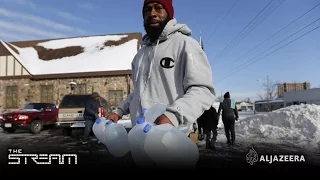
(155,19)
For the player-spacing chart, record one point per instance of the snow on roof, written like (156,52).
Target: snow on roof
(80,54)
(14,54)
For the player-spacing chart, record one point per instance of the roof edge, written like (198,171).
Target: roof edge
(17,57)
(81,74)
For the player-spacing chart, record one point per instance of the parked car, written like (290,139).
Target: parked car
(71,111)
(32,117)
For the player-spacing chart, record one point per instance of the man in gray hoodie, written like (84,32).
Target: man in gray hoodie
(170,69)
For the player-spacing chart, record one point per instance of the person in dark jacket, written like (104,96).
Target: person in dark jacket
(200,128)
(229,116)
(209,121)
(91,113)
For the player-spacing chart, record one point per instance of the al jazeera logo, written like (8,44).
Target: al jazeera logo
(252,157)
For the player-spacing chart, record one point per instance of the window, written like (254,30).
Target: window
(12,97)
(52,107)
(47,94)
(80,89)
(115,97)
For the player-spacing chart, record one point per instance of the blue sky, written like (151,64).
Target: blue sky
(220,22)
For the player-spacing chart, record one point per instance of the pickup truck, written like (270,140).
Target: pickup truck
(32,117)
(71,111)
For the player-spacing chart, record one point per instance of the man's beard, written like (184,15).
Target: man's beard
(155,32)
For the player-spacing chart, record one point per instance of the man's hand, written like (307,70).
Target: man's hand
(114,117)
(163,119)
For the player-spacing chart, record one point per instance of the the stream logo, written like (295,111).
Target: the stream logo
(252,157)
(16,156)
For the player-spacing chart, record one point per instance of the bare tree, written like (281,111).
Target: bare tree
(270,90)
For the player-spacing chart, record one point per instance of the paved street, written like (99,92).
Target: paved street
(52,141)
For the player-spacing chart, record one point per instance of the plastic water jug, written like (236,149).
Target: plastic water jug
(154,112)
(116,138)
(98,128)
(136,138)
(168,147)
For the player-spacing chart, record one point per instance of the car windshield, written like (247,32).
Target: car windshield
(36,106)
(74,101)
(79,101)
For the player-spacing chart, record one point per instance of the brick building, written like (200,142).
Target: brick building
(43,70)
(292,87)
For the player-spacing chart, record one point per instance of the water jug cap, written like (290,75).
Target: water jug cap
(143,111)
(98,121)
(141,120)
(109,122)
(147,128)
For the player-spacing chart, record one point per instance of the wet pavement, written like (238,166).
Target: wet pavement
(93,154)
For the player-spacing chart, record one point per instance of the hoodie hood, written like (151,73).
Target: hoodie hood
(171,27)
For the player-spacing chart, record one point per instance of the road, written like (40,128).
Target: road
(89,156)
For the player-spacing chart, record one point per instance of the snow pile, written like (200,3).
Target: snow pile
(298,124)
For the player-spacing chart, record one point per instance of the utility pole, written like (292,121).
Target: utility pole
(268,93)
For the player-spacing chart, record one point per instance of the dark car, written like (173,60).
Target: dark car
(32,117)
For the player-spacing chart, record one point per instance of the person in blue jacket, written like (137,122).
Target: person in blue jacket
(91,113)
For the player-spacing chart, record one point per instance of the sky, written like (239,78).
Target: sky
(246,41)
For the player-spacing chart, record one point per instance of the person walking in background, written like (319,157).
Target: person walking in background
(229,116)
(171,68)
(210,125)
(200,128)
(91,113)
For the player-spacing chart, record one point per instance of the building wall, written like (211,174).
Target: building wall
(30,91)
(244,106)
(309,96)
(9,66)
(292,87)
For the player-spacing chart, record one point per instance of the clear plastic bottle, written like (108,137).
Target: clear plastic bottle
(98,128)
(116,138)
(169,147)
(136,138)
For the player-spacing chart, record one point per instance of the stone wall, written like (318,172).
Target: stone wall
(30,91)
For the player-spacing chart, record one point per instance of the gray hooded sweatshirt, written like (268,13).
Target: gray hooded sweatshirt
(173,71)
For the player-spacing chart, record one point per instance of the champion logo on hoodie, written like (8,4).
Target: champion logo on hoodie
(167,63)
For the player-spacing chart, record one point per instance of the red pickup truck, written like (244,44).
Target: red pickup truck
(32,117)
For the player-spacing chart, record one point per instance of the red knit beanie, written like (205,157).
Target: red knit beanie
(167,4)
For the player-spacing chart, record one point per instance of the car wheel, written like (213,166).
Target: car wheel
(35,127)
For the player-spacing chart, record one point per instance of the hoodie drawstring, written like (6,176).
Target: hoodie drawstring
(152,60)
(151,63)
(150,67)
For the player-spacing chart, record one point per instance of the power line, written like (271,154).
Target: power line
(269,53)
(277,32)
(238,39)
(252,28)
(225,16)
(247,25)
